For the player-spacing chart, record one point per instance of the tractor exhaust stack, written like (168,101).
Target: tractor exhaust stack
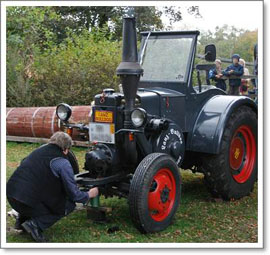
(129,69)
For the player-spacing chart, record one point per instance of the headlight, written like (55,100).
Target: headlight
(138,117)
(63,111)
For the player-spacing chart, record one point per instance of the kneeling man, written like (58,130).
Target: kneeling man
(43,190)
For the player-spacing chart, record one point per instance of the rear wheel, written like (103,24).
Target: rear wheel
(154,193)
(233,172)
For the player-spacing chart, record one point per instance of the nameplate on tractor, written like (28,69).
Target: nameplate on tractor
(104,116)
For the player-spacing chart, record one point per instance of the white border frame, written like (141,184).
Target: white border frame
(4,244)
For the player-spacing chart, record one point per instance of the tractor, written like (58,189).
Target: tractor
(161,122)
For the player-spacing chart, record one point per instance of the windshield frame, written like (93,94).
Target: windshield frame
(190,62)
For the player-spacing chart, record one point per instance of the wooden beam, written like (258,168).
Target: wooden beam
(225,60)
(239,77)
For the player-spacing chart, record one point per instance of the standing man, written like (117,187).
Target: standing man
(216,74)
(43,190)
(234,69)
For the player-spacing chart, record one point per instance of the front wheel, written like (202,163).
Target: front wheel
(154,193)
(233,172)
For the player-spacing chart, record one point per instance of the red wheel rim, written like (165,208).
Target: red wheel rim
(242,154)
(161,195)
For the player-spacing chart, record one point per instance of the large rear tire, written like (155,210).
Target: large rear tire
(154,193)
(232,173)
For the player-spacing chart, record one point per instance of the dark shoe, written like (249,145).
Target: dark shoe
(32,228)
(19,221)
(18,224)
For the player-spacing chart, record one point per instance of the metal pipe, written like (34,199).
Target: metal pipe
(129,69)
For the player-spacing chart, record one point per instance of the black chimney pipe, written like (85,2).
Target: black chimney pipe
(129,69)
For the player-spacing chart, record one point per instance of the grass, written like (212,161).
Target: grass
(198,219)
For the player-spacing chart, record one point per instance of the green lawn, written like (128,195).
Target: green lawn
(198,219)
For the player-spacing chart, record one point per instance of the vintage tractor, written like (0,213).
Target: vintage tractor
(160,123)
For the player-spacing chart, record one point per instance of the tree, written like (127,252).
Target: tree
(230,40)
(78,18)
(68,53)
(27,36)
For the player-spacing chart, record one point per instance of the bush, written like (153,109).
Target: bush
(75,71)
(72,72)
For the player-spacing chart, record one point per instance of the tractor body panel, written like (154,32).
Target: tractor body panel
(170,105)
(149,101)
(210,124)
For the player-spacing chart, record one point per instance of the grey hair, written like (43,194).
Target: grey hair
(62,139)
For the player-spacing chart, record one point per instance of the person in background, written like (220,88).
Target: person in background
(235,69)
(244,82)
(256,71)
(43,189)
(216,74)
(256,63)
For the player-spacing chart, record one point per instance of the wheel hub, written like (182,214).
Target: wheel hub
(236,153)
(161,196)
(165,194)
(242,154)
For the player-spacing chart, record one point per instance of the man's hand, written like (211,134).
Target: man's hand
(219,76)
(231,71)
(93,192)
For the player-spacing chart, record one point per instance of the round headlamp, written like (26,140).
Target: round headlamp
(138,117)
(63,111)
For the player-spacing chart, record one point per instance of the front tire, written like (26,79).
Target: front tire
(154,193)
(232,173)
(73,161)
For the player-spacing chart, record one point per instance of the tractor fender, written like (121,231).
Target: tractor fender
(208,129)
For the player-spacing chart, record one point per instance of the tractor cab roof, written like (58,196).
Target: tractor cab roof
(167,58)
(155,33)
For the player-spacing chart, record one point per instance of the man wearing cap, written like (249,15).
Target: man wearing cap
(43,189)
(234,69)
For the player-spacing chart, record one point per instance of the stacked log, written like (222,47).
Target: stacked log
(42,122)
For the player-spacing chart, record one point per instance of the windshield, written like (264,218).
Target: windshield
(166,59)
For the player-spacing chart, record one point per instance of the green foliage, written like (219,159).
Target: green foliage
(69,54)
(30,27)
(230,40)
(76,70)
(89,17)
(245,45)
(41,71)
(27,36)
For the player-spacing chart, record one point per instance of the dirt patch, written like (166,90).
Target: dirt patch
(12,164)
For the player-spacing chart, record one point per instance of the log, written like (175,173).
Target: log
(42,122)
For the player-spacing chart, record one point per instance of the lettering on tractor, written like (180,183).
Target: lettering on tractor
(161,123)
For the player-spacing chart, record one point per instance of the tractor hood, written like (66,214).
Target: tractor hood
(160,102)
